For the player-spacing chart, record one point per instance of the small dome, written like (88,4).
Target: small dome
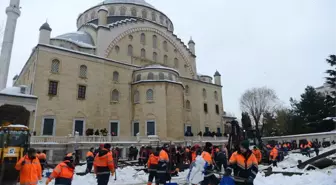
(217,73)
(137,2)
(45,26)
(81,38)
(103,8)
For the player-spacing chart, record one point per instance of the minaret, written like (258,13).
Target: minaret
(13,13)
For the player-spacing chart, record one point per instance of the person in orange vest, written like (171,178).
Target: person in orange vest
(63,172)
(257,154)
(162,169)
(244,165)
(209,178)
(89,160)
(104,165)
(30,168)
(43,159)
(273,156)
(152,165)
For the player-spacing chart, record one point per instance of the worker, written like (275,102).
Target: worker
(257,154)
(273,156)
(162,169)
(104,165)
(209,178)
(307,149)
(30,168)
(244,165)
(63,172)
(43,158)
(152,165)
(220,159)
(89,160)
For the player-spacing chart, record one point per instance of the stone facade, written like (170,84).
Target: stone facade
(134,71)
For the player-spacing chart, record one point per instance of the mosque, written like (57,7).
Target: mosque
(123,70)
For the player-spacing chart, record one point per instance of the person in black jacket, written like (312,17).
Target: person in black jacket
(220,159)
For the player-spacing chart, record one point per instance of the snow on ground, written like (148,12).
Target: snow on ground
(130,176)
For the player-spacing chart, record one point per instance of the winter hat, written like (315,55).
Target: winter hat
(101,146)
(107,146)
(208,145)
(31,151)
(245,144)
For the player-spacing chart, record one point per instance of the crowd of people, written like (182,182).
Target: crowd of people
(163,162)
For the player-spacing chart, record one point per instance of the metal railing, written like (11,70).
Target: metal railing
(102,139)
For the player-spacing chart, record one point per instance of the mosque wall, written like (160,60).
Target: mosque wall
(196,116)
(77,88)
(147,47)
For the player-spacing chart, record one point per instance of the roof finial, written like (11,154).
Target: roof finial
(47,20)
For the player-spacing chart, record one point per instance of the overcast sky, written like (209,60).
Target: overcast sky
(253,43)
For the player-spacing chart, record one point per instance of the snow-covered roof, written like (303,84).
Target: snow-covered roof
(15,91)
(137,2)
(17,126)
(103,8)
(157,66)
(79,38)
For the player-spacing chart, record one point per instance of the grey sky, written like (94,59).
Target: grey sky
(280,44)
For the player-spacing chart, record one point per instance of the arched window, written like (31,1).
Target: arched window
(134,12)
(115,95)
(122,10)
(111,10)
(170,77)
(115,76)
(187,89)
(138,77)
(176,63)
(144,14)
(55,66)
(143,53)
(216,95)
(136,96)
(154,41)
(188,105)
(154,56)
(93,15)
(130,50)
(165,46)
(86,17)
(161,76)
(165,59)
(150,95)
(153,16)
(150,76)
(117,49)
(83,71)
(161,19)
(204,93)
(143,39)
(130,37)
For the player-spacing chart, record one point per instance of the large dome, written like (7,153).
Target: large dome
(137,2)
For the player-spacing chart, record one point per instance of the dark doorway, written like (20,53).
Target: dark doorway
(14,114)
(136,128)
(79,127)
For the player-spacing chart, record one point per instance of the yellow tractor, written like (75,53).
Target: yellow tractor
(14,142)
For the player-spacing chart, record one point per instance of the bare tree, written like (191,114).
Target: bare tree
(256,102)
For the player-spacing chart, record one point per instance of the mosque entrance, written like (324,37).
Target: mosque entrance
(14,114)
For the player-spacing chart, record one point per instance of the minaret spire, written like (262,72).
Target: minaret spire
(13,13)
